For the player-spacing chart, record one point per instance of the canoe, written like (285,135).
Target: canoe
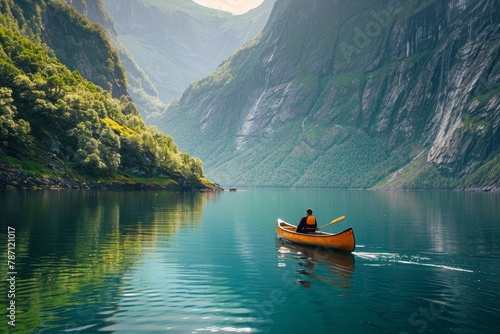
(343,241)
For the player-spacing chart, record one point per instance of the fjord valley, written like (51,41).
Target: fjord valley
(67,120)
(135,111)
(358,94)
(370,95)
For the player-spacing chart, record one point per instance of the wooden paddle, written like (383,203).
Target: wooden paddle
(336,220)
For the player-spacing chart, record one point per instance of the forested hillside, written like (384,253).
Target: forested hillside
(58,129)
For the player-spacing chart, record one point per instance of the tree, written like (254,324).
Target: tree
(109,147)
(10,127)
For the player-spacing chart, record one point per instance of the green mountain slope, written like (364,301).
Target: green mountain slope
(59,130)
(353,94)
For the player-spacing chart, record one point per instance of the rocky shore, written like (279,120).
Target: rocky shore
(15,178)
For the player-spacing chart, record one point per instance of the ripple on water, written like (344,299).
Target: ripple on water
(182,299)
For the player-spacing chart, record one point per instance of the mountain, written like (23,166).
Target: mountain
(66,120)
(353,94)
(176,42)
(142,90)
(76,43)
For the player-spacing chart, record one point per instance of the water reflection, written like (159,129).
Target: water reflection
(317,265)
(95,239)
(384,214)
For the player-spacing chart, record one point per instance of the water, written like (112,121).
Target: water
(146,262)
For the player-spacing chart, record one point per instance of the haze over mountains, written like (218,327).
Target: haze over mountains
(176,42)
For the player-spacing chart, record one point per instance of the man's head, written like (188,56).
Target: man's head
(309,211)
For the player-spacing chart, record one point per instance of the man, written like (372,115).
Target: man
(308,223)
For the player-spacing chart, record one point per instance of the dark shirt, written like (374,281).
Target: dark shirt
(302,227)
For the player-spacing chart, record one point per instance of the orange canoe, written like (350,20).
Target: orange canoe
(342,241)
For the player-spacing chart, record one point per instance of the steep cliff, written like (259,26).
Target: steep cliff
(176,42)
(353,94)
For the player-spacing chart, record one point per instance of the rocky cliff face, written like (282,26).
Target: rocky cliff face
(176,42)
(87,50)
(353,94)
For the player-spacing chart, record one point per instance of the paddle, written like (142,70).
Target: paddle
(336,220)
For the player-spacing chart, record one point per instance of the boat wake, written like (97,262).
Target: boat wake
(382,259)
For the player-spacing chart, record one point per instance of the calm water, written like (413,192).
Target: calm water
(145,262)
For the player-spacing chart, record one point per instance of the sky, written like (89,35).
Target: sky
(233,6)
